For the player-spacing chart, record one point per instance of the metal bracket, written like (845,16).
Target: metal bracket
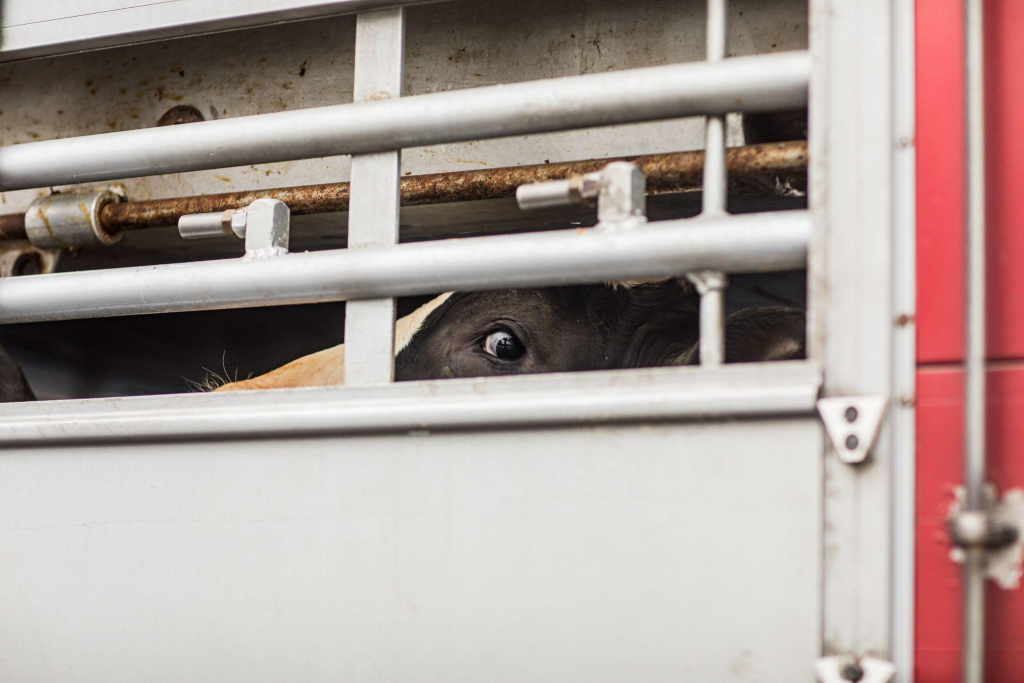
(264,225)
(619,190)
(996,530)
(853,423)
(71,221)
(848,669)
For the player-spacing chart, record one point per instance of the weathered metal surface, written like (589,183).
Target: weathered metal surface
(451,45)
(675,172)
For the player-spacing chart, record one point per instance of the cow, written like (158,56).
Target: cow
(13,386)
(556,329)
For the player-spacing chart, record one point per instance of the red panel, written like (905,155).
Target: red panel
(940,197)
(939,449)
(1005,636)
(940,178)
(1004,93)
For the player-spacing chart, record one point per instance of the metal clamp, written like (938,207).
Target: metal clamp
(977,529)
(619,190)
(853,423)
(994,531)
(71,221)
(264,225)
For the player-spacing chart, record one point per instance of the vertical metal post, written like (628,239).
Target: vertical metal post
(904,340)
(852,319)
(715,188)
(374,207)
(974,350)
(711,286)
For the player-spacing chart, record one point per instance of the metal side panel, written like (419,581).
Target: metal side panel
(646,552)
(34,29)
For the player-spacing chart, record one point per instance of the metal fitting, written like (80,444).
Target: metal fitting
(576,191)
(264,225)
(619,190)
(202,225)
(976,529)
(70,221)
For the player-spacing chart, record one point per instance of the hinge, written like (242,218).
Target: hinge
(853,423)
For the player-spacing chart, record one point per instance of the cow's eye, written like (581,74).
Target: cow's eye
(504,345)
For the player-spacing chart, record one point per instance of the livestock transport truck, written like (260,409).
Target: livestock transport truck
(853,515)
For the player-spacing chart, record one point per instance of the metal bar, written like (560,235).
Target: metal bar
(712,285)
(679,393)
(850,289)
(373,214)
(974,349)
(757,83)
(714,196)
(904,339)
(671,172)
(145,21)
(747,243)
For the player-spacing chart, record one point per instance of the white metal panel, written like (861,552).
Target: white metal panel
(29,28)
(852,306)
(651,552)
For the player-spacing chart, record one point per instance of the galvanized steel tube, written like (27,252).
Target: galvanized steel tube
(748,243)
(974,350)
(756,83)
(714,195)
(714,198)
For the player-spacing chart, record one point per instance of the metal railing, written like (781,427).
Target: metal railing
(374,129)
(758,83)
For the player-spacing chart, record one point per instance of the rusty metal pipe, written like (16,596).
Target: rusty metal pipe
(672,172)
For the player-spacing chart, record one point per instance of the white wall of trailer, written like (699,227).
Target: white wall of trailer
(665,524)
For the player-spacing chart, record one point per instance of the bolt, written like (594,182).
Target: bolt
(852,442)
(851,414)
(853,672)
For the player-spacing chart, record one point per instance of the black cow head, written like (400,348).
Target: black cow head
(557,329)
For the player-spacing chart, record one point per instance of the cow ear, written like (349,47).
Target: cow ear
(756,335)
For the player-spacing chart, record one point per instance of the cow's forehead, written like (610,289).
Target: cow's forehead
(407,327)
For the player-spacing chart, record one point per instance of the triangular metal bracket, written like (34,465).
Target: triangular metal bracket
(853,422)
(846,669)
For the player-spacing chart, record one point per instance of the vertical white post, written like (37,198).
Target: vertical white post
(853,319)
(710,285)
(373,209)
(974,348)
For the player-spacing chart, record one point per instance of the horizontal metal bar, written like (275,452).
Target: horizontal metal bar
(25,34)
(670,172)
(682,393)
(747,243)
(757,83)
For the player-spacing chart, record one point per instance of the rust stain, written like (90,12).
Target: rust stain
(85,212)
(673,172)
(46,222)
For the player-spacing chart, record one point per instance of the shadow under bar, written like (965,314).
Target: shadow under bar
(755,83)
(745,243)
